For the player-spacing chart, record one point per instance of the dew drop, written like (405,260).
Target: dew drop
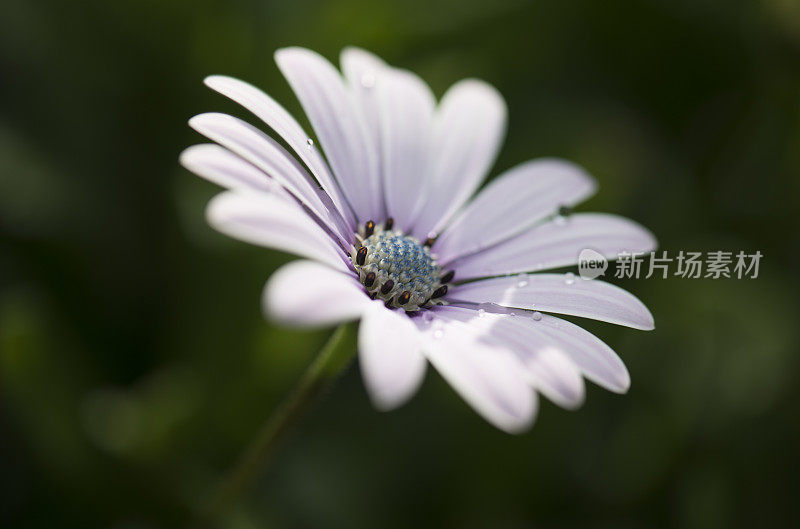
(485,307)
(560,220)
(537,316)
(368,79)
(569,278)
(437,334)
(481,313)
(310,143)
(522,280)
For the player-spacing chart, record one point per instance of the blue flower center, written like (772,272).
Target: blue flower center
(398,268)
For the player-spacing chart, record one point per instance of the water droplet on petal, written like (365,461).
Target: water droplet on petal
(437,334)
(569,278)
(310,143)
(481,313)
(368,79)
(560,220)
(537,316)
(522,280)
(487,307)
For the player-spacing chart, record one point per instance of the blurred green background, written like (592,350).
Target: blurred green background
(134,360)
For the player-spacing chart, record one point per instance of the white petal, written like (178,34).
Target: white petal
(406,118)
(564,294)
(542,361)
(363,71)
(277,118)
(513,202)
(556,244)
(305,293)
(598,361)
(484,374)
(469,128)
(266,154)
(554,375)
(389,348)
(269,221)
(222,167)
(339,125)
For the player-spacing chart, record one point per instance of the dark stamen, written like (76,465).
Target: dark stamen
(369,228)
(429,241)
(439,292)
(388,224)
(373,295)
(387,287)
(403,298)
(361,256)
(369,279)
(388,304)
(447,277)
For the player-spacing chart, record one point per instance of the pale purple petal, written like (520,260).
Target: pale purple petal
(598,361)
(389,349)
(273,222)
(266,154)
(557,243)
(554,375)
(277,118)
(363,70)
(468,130)
(305,293)
(560,293)
(487,376)
(545,366)
(222,167)
(339,125)
(406,117)
(513,202)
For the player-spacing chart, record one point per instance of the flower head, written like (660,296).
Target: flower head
(392,235)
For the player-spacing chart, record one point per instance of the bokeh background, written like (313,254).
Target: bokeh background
(134,360)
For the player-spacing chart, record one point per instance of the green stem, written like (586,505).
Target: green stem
(331,361)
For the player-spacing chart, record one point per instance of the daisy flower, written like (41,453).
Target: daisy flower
(382,202)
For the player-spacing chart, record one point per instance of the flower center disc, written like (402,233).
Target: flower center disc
(397,268)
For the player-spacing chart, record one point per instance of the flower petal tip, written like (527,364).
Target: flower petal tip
(185,157)
(577,401)
(197,122)
(517,428)
(647,322)
(623,384)
(355,51)
(208,80)
(283,54)
(386,403)
(651,239)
